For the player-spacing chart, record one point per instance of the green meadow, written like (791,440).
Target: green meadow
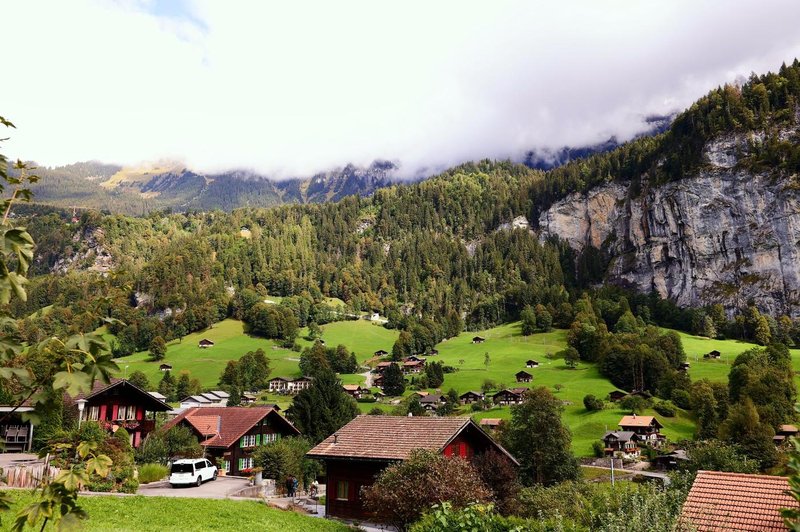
(507,352)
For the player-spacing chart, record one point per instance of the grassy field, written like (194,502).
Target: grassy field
(158,514)
(717,370)
(509,350)
(230,343)
(361,336)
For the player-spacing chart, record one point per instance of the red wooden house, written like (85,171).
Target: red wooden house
(121,404)
(360,450)
(231,433)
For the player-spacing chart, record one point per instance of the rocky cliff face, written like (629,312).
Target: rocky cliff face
(724,235)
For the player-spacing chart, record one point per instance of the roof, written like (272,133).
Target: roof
(154,404)
(621,435)
(206,341)
(468,392)
(390,438)
(196,399)
(787,428)
(491,421)
(523,372)
(431,398)
(638,421)
(736,501)
(351,387)
(225,424)
(478,338)
(158,396)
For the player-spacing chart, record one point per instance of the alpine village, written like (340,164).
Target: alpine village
(563,296)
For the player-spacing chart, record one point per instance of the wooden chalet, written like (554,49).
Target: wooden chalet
(230,434)
(354,390)
(165,367)
(784,433)
(513,396)
(433,352)
(670,460)
(413,366)
(355,454)
(380,367)
(470,397)
(377,381)
(736,501)
(531,364)
(712,354)
(684,366)
(646,428)
(490,424)
(432,401)
(120,404)
(205,343)
(414,358)
(523,376)
(616,395)
(478,339)
(621,442)
(381,353)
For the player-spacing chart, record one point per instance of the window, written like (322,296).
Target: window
(267,438)
(248,440)
(245,463)
(342,490)
(93,413)
(126,412)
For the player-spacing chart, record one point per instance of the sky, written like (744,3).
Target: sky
(293,88)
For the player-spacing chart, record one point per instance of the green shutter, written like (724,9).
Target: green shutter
(241,442)
(258,439)
(241,464)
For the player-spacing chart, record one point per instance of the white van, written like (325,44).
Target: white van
(191,471)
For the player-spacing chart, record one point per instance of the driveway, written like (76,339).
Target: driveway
(221,488)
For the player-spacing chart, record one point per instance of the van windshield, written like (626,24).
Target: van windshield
(182,468)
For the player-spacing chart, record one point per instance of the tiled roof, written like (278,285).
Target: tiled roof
(491,421)
(351,387)
(226,424)
(787,428)
(735,501)
(637,421)
(153,403)
(391,437)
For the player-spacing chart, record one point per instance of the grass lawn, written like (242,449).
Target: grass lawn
(509,350)
(717,370)
(361,336)
(230,343)
(157,514)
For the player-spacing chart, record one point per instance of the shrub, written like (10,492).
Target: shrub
(477,406)
(403,491)
(592,403)
(481,517)
(130,485)
(152,473)
(634,403)
(598,449)
(101,485)
(664,408)
(681,398)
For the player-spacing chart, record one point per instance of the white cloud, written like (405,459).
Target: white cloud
(291,88)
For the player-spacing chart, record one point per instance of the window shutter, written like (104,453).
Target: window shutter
(258,439)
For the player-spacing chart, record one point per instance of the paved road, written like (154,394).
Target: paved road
(221,488)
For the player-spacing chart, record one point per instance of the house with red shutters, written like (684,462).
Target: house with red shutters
(120,404)
(356,453)
(230,434)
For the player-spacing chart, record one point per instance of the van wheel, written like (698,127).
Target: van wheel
(199,481)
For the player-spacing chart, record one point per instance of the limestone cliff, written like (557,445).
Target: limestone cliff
(723,235)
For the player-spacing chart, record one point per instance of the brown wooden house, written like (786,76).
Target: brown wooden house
(513,396)
(470,397)
(205,343)
(381,353)
(712,354)
(616,395)
(354,390)
(121,404)
(165,367)
(230,434)
(523,376)
(531,364)
(360,450)
(478,339)
(646,428)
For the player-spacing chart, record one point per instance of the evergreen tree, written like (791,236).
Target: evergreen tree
(167,386)
(403,346)
(158,348)
(528,319)
(323,408)
(182,388)
(394,384)
(235,396)
(537,437)
(139,379)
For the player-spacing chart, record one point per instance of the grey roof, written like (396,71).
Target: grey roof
(158,396)
(196,399)
(431,398)
(621,435)
(220,393)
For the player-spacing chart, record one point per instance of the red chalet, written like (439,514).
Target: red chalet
(230,433)
(121,404)
(360,450)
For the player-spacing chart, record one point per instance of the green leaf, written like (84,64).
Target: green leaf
(73,383)
(100,465)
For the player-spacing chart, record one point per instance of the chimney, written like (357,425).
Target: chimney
(335,438)
(410,414)
(634,415)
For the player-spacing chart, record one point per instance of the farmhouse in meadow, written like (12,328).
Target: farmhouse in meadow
(646,428)
(432,401)
(616,395)
(205,343)
(470,397)
(523,376)
(621,442)
(355,454)
(712,354)
(381,353)
(478,339)
(531,364)
(513,396)
(354,390)
(230,434)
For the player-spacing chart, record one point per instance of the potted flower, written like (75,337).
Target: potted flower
(221,470)
(258,476)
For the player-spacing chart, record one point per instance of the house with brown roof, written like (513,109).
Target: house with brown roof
(647,428)
(616,395)
(120,404)
(165,367)
(736,501)
(531,364)
(523,376)
(413,366)
(513,396)
(490,424)
(354,390)
(784,433)
(205,343)
(433,352)
(432,401)
(355,454)
(230,434)
(470,397)
(478,339)
(381,353)
(712,354)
